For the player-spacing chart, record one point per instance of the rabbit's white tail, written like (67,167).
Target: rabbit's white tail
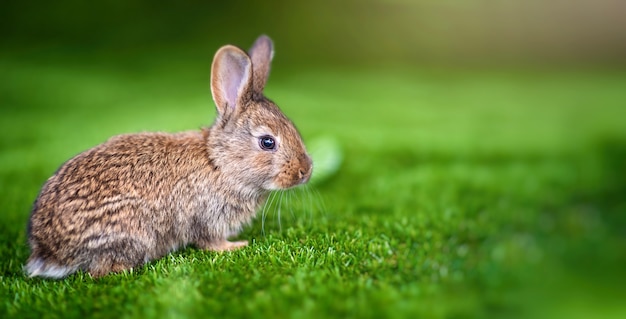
(38,267)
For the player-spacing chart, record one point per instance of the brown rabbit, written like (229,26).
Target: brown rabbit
(139,196)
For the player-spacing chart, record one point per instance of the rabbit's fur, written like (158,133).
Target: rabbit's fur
(137,197)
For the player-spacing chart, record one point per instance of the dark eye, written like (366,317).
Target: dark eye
(267,142)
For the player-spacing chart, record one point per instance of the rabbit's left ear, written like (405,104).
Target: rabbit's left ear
(231,80)
(261,54)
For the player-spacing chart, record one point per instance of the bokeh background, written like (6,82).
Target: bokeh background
(372,32)
(493,130)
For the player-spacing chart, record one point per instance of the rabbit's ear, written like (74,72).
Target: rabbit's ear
(261,54)
(231,79)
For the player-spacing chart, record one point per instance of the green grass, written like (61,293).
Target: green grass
(462,194)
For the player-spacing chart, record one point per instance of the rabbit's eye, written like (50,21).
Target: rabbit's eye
(267,142)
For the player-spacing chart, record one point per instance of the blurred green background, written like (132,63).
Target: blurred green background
(484,146)
(371,32)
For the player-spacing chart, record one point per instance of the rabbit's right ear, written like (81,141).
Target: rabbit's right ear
(231,79)
(261,54)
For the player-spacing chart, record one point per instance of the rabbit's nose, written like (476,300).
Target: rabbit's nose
(304,173)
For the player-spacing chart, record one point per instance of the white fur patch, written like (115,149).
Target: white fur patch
(38,267)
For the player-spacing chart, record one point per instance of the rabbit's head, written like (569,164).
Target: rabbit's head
(252,141)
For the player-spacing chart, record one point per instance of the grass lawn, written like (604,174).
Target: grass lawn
(462,194)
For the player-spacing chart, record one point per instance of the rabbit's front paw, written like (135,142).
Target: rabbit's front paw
(223,245)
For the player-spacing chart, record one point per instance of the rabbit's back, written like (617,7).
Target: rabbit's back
(133,195)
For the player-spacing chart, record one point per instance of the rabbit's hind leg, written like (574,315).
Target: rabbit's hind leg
(116,257)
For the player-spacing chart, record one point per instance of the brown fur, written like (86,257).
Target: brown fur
(137,197)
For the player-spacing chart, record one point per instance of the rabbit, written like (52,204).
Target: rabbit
(137,197)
